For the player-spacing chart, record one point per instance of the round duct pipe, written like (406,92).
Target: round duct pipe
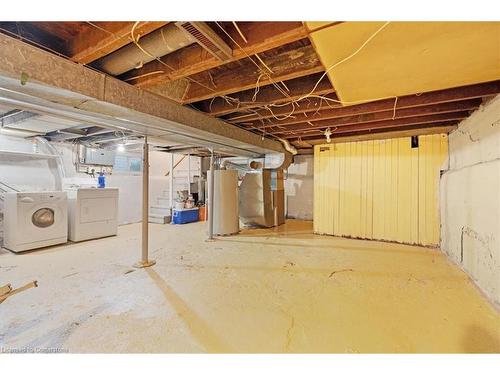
(159,43)
(245,165)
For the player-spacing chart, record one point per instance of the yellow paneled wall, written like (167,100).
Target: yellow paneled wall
(380,189)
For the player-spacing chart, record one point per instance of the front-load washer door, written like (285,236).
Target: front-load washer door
(42,221)
(43,217)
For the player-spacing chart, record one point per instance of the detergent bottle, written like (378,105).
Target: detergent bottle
(101,181)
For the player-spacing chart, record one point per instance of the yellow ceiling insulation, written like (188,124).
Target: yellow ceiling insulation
(406,57)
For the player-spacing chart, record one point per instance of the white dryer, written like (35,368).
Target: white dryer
(92,213)
(33,220)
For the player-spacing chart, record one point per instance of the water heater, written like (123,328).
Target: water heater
(226,215)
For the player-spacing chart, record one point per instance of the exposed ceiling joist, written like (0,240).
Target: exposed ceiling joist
(257,81)
(418,120)
(319,123)
(286,65)
(381,134)
(262,36)
(429,98)
(306,105)
(266,96)
(31,33)
(86,93)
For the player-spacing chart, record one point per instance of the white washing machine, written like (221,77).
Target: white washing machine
(92,213)
(33,220)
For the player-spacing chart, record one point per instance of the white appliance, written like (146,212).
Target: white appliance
(33,220)
(226,220)
(92,213)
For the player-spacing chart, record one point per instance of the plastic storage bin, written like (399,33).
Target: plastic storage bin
(188,215)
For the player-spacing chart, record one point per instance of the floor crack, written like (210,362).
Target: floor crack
(343,270)
(289,333)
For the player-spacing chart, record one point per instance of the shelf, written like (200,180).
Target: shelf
(27,154)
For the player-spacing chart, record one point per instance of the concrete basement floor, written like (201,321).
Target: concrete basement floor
(266,290)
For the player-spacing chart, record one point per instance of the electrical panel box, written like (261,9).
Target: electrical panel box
(97,156)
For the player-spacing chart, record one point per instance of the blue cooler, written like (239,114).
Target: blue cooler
(187,215)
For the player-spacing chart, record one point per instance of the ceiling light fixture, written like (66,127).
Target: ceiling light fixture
(328,133)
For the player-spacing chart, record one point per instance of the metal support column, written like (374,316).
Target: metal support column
(189,173)
(171,186)
(145,262)
(211,199)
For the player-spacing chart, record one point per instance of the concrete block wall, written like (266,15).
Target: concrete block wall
(299,188)
(470,199)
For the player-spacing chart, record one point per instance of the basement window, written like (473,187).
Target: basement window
(414,141)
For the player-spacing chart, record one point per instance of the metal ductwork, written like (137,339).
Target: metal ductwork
(159,43)
(245,165)
(208,39)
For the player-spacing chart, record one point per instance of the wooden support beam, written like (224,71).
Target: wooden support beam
(382,134)
(434,97)
(107,37)
(419,120)
(130,108)
(286,64)
(339,120)
(267,95)
(261,36)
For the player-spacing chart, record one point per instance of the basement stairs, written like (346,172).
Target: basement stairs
(160,211)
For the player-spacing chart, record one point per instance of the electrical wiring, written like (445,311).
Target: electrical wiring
(263,63)
(145,75)
(264,71)
(346,58)
(227,98)
(394,109)
(327,100)
(135,40)
(257,88)
(239,32)
(249,57)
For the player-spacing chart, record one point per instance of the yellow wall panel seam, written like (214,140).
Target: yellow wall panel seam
(382,189)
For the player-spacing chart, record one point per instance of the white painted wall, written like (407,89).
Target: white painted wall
(26,173)
(470,199)
(130,184)
(299,188)
(29,174)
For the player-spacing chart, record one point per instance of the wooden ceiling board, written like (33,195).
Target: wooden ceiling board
(408,57)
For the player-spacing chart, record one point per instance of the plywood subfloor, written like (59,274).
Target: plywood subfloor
(278,290)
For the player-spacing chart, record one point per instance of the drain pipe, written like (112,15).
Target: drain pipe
(211,198)
(145,262)
(292,150)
